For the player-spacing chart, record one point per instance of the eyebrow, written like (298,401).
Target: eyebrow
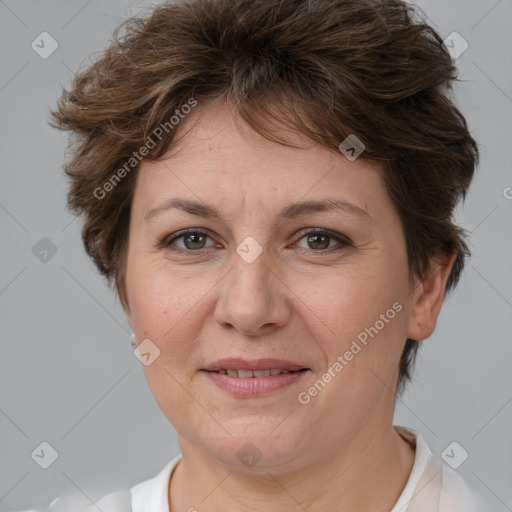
(290,211)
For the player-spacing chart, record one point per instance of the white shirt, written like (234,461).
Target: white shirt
(432,486)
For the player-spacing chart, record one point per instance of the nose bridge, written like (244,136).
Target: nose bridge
(250,299)
(251,272)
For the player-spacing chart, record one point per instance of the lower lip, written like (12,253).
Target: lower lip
(254,386)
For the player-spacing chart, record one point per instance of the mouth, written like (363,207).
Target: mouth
(255,368)
(243,378)
(244,374)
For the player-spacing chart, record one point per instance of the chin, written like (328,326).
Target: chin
(259,446)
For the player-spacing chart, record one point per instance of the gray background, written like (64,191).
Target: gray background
(68,374)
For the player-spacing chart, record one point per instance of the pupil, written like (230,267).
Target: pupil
(314,239)
(194,238)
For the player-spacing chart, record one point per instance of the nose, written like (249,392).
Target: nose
(253,298)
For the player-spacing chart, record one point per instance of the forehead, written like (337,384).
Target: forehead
(219,159)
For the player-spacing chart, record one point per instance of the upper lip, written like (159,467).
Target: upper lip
(253,364)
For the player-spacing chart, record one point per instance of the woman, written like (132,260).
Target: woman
(270,186)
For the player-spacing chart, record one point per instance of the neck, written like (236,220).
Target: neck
(368,473)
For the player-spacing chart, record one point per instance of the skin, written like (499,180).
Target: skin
(302,301)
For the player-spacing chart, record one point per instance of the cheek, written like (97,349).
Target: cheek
(348,303)
(165,306)
(165,310)
(362,317)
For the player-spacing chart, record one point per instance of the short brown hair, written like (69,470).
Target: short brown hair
(328,68)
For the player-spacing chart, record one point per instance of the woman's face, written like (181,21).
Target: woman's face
(258,289)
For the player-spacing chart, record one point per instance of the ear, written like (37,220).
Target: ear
(428,297)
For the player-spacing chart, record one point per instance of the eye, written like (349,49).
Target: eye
(319,240)
(193,240)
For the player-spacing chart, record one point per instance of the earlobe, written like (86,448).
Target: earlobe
(428,297)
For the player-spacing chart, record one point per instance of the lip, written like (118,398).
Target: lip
(254,386)
(232,363)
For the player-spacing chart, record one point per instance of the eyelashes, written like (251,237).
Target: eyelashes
(198,233)
(312,236)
